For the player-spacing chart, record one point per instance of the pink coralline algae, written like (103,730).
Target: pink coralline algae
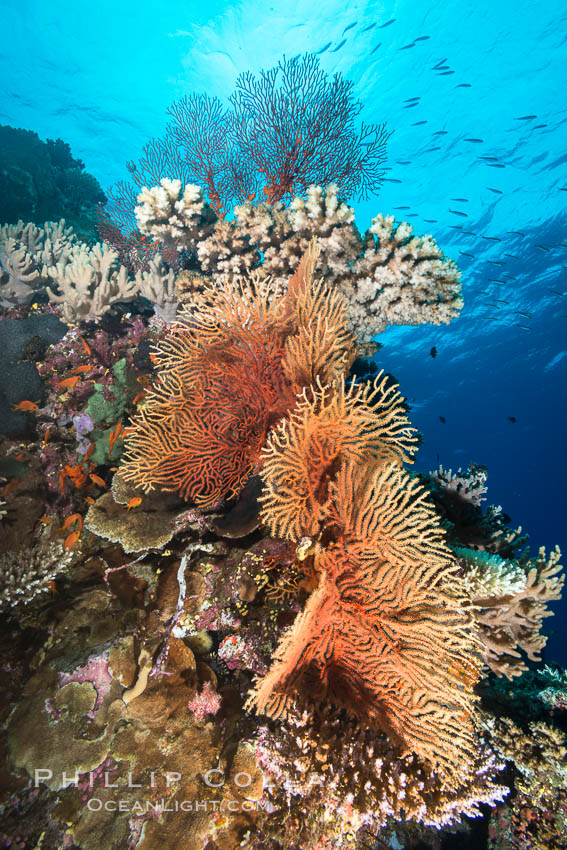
(204,702)
(94,671)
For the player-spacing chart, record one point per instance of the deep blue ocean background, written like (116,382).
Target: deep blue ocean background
(479,161)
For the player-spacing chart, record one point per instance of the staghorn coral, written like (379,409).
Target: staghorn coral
(401,279)
(329,426)
(388,607)
(26,252)
(89,283)
(511,621)
(229,370)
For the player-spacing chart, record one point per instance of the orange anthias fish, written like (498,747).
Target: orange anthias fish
(77,475)
(71,520)
(98,480)
(89,452)
(134,502)
(113,436)
(86,346)
(81,369)
(11,486)
(68,383)
(72,539)
(138,397)
(25,405)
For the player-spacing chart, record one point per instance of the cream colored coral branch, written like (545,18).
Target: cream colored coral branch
(26,251)
(90,283)
(157,284)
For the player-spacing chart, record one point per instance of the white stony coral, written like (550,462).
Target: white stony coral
(321,205)
(26,251)
(393,277)
(469,484)
(402,279)
(25,574)
(90,282)
(157,284)
(168,213)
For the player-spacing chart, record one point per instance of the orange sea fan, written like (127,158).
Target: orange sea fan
(386,634)
(328,426)
(205,422)
(321,346)
(227,372)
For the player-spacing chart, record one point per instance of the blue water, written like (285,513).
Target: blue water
(101,75)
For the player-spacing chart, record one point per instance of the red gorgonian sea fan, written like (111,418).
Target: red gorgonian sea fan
(296,127)
(291,127)
(221,386)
